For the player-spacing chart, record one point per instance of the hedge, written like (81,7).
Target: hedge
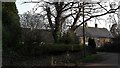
(48,49)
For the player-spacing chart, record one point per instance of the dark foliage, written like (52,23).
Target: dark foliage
(11,32)
(47,49)
(91,45)
(31,37)
(70,38)
(10,25)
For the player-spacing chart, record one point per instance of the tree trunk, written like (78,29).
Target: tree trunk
(56,31)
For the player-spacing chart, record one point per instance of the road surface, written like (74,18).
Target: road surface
(105,59)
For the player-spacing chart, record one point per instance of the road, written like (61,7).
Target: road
(105,59)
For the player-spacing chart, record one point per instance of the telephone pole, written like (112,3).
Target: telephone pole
(84,46)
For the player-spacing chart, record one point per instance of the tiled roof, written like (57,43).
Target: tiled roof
(94,32)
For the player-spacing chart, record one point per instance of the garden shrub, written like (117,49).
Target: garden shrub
(47,49)
(70,38)
(61,48)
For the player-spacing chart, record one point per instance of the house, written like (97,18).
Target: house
(101,35)
(39,35)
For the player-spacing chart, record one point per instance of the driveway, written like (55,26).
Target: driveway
(105,59)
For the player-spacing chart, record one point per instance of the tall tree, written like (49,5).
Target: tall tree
(58,12)
(10,25)
(33,21)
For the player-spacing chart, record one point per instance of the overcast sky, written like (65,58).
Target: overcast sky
(28,6)
(22,8)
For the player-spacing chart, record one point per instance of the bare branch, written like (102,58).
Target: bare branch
(68,15)
(76,18)
(70,7)
(101,6)
(72,14)
(66,5)
(49,18)
(110,11)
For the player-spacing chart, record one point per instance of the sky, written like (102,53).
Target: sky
(22,8)
(28,6)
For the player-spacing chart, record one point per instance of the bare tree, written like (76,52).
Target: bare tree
(33,21)
(59,12)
